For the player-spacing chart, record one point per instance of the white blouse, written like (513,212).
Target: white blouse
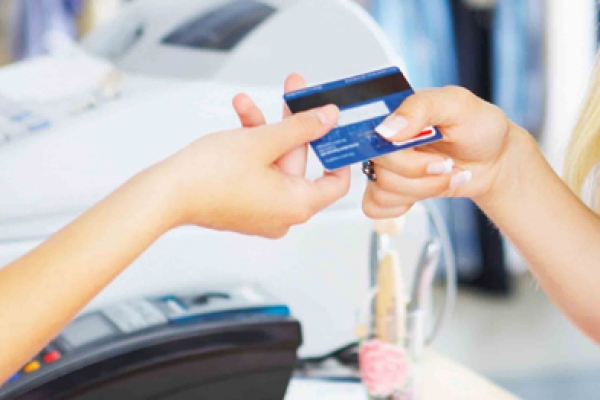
(589,192)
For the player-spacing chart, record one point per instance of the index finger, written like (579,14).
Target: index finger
(444,107)
(294,162)
(293,82)
(279,139)
(248,112)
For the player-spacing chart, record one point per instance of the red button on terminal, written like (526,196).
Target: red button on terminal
(51,357)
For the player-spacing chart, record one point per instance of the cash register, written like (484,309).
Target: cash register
(224,343)
(77,132)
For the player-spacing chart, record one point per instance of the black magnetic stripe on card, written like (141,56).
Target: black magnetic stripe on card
(352,94)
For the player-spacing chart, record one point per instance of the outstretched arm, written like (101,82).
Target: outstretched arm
(556,233)
(226,181)
(485,157)
(52,283)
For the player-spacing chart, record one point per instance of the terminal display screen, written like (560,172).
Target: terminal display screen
(222,28)
(87,330)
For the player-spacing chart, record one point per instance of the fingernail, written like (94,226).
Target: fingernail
(460,179)
(326,114)
(440,167)
(391,126)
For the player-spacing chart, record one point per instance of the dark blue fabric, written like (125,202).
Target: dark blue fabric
(421,31)
(519,76)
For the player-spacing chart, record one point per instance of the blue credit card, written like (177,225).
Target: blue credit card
(364,102)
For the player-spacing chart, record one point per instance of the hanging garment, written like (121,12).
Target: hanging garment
(33,19)
(474,36)
(421,32)
(518,52)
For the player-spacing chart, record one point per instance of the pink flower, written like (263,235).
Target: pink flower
(383,367)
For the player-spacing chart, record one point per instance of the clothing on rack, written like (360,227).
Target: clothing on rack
(474,30)
(421,32)
(443,42)
(518,68)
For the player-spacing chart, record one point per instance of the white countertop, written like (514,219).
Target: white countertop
(442,379)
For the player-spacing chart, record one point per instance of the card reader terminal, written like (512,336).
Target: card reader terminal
(228,343)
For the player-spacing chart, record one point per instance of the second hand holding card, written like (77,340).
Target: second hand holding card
(364,102)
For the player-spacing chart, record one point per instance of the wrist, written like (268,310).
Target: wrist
(159,189)
(186,198)
(520,156)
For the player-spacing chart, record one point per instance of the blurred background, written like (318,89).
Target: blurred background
(533,58)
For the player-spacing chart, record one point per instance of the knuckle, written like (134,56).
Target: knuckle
(306,215)
(345,188)
(417,106)
(400,163)
(289,216)
(459,93)
(399,211)
(370,210)
(385,181)
(307,122)
(368,206)
(380,198)
(405,209)
(278,233)
(282,232)
(435,189)
(446,194)
(499,116)
(301,214)
(442,185)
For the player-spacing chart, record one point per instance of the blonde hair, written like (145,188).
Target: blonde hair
(584,150)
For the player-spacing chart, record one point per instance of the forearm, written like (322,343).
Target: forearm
(258,190)
(556,233)
(45,289)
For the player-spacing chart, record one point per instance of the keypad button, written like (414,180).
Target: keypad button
(20,115)
(135,316)
(36,123)
(52,357)
(14,377)
(14,111)
(32,367)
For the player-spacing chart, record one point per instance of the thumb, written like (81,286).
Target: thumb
(297,130)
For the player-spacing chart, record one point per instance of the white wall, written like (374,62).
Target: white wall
(571,34)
